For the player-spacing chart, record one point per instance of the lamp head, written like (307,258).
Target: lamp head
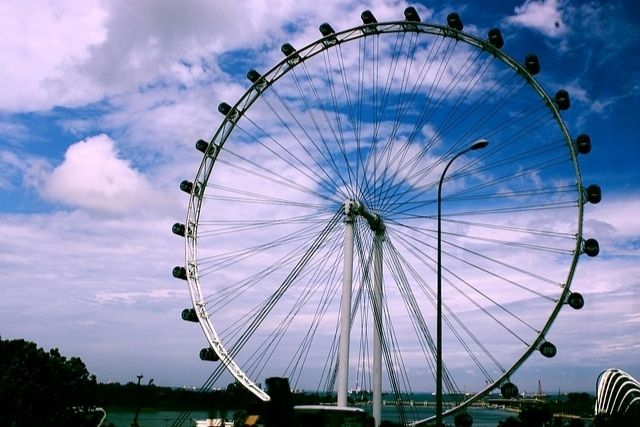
(481,143)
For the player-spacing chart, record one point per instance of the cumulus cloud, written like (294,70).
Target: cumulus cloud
(94,177)
(544,16)
(74,53)
(37,40)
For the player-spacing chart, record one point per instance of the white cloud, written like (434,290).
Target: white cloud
(37,39)
(70,53)
(99,288)
(17,168)
(544,16)
(128,297)
(95,178)
(9,163)
(615,224)
(11,131)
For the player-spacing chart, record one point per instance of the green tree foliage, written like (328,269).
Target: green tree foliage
(577,404)
(540,415)
(43,388)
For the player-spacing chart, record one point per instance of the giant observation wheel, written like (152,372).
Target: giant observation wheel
(311,229)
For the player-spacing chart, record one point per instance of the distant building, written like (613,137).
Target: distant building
(616,393)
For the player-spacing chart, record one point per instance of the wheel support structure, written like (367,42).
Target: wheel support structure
(352,209)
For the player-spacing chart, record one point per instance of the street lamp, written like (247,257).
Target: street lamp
(481,143)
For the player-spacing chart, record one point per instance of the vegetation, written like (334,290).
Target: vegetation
(38,386)
(235,397)
(547,414)
(580,404)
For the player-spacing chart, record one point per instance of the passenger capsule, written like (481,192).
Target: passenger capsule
(368,18)
(509,390)
(179,272)
(186,186)
(292,55)
(208,354)
(532,64)
(178,229)
(224,108)
(594,194)
(326,29)
(253,76)
(547,349)
(454,21)
(189,314)
(202,145)
(576,301)
(495,38)
(562,99)
(287,49)
(583,144)
(591,247)
(411,14)
(329,33)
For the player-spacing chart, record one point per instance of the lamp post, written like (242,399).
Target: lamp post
(481,143)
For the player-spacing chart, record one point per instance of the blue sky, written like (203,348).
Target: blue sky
(100,106)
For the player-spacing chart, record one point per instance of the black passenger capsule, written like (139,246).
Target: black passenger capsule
(411,14)
(202,145)
(583,144)
(562,99)
(224,108)
(532,64)
(368,18)
(186,186)
(576,301)
(253,76)
(547,349)
(591,247)
(329,33)
(326,29)
(292,55)
(208,354)
(454,21)
(509,390)
(495,38)
(189,314)
(178,229)
(179,272)
(594,194)
(287,49)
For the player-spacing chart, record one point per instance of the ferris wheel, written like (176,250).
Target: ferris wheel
(329,229)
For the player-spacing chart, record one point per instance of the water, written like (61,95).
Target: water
(123,418)
(482,417)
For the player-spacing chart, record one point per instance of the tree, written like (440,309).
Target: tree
(535,415)
(38,387)
(580,404)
